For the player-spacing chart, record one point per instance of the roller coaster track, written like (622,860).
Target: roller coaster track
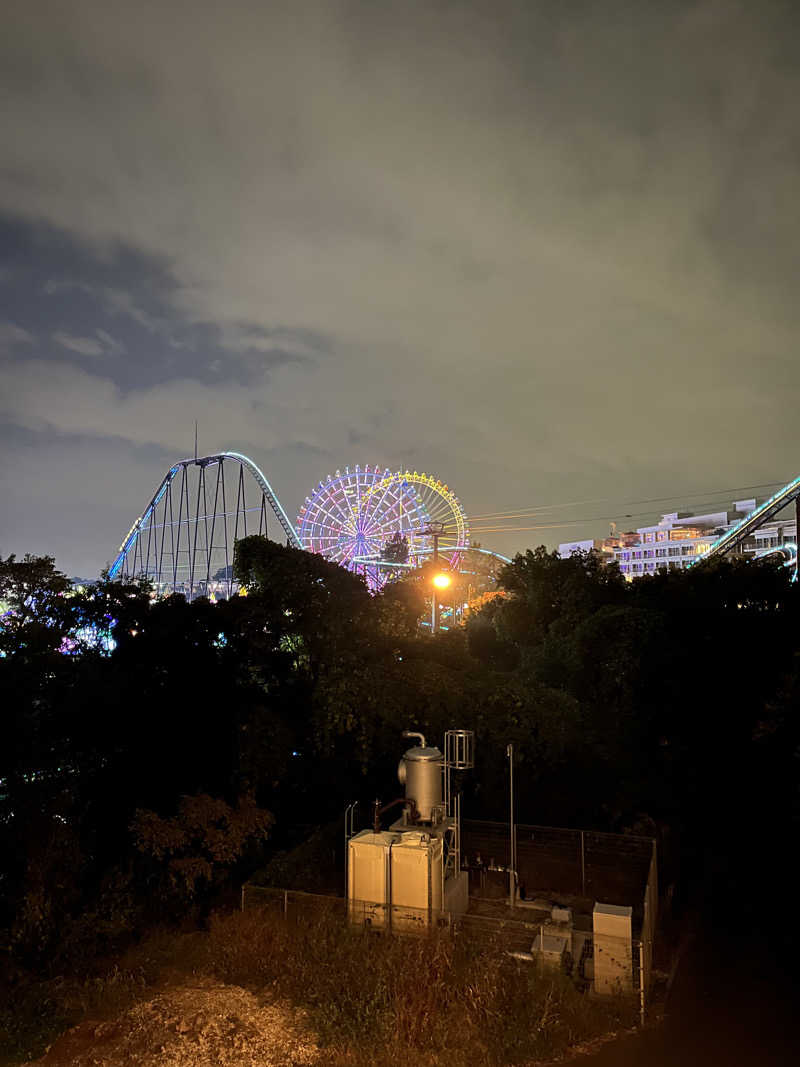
(750,523)
(267,490)
(181,543)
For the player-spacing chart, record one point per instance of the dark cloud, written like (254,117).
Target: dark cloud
(547,251)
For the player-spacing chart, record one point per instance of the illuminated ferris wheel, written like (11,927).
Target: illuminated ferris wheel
(352,516)
(442,510)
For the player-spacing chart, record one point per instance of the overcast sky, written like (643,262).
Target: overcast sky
(547,251)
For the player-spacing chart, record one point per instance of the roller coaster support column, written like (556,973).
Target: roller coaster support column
(797,536)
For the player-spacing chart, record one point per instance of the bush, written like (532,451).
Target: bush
(197,847)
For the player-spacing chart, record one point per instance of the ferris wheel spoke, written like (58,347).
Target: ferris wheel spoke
(422,509)
(405,508)
(351,488)
(334,521)
(362,481)
(358,493)
(319,523)
(331,505)
(328,500)
(383,519)
(376,498)
(352,550)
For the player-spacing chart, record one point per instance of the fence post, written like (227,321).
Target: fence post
(641,984)
(286,903)
(583,867)
(242,897)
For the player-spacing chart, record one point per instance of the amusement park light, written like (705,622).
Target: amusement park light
(441,581)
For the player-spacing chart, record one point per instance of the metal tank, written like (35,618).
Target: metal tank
(420,771)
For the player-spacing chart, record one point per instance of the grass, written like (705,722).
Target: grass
(374,999)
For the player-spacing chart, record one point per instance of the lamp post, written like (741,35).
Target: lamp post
(440,579)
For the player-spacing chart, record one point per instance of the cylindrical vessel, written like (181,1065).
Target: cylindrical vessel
(421,772)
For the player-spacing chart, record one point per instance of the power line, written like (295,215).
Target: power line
(499,528)
(490,527)
(533,510)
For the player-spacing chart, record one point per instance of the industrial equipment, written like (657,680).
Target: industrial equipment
(409,876)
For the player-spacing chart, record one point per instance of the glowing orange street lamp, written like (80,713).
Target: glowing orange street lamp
(441,580)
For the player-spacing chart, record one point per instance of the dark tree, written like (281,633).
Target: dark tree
(396,549)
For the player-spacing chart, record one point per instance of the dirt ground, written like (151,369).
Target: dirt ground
(197,1024)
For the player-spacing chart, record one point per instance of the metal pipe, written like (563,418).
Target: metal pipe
(501,870)
(349,827)
(414,733)
(388,903)
(413,814)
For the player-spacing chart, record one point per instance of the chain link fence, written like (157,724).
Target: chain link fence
(521,935)
(613,868)
(578,867)
(573,868)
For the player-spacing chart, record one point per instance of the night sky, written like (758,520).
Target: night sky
(546,251)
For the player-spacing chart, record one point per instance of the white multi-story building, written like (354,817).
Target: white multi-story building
(680,537)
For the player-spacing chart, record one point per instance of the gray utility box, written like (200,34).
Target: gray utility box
(550,948)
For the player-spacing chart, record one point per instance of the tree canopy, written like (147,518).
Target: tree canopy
(624,701)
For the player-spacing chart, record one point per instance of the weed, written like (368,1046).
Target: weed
(373,998)
(436,999)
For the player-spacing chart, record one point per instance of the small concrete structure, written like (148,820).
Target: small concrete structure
(550,948)
(613,948)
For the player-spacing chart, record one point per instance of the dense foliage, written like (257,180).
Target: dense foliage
(152,751)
